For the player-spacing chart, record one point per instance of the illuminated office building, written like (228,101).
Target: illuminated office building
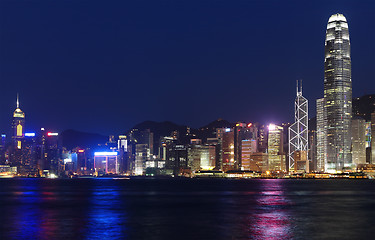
(248,146)
(122,146)
(243,131)
(276,157)
(49,154)
(29,153)
(298,134)
(18,126)
(260,161)
(142,154)
(321,136)
(52,152)
(338,94)
(372,138)
(105,163)
(262,138)
(368,134)
(359,141)
(82,168)
(368,141)
(215,151)
(177,158)
(201,157)
(228,150)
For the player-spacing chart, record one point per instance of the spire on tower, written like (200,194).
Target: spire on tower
(299,87)
(18,102)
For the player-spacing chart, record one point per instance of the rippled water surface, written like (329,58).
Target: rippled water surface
(186,209)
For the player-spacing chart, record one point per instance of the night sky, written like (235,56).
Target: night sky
(104,66)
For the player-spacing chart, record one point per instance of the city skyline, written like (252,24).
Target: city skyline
(60,81)
(187,119)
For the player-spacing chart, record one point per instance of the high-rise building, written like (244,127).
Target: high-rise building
(122,146)
(177,158)
(82,168)
(105,163)
(243,131)
(201,157)
(298,134)
(49,153)
(139,150)
(321,136)
(262,138)
(373,137)
(338,94)
(368,140)
(260,160)
(215,151)
(312,150)
(142,154)
(18,126)
(276,157)
(359,141)
(228,150)
(248,146)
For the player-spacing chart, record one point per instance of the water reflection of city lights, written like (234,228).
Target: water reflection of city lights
(272,218)
(105,220)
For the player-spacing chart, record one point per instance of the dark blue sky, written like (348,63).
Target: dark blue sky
(104,66)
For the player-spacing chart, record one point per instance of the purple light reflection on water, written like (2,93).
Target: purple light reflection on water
(272,219)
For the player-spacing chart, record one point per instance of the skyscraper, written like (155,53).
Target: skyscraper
(18,126)
(359,141)
(373,138)
(276,157)
(338,93)
(298,134)
(228,149)
(321,136)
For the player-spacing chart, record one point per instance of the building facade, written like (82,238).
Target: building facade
(18,126)
(321,136)
(338,94)
(359,141)
(298,134)
(276,157)
(372,155)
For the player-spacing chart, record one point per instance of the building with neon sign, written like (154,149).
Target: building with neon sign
(106,163)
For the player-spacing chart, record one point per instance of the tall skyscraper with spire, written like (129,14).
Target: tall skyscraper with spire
(18,126)
(298,134)
(337,94)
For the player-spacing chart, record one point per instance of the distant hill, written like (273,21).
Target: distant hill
(160,129)
(208,131)
(219,123)
(71,139)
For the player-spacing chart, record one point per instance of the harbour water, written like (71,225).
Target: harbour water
(186,209)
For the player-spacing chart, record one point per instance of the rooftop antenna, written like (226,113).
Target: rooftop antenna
(297,86)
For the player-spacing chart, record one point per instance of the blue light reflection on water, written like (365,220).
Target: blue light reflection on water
(26,215)
(56,209)
(107,215)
